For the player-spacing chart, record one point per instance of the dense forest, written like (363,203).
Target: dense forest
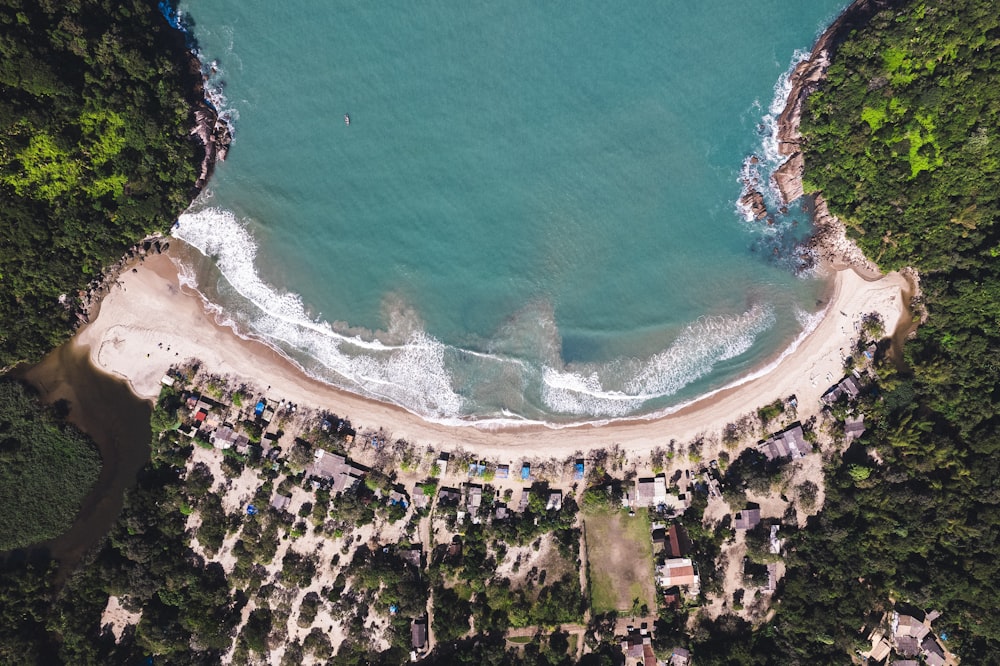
(902,141)
(96,105)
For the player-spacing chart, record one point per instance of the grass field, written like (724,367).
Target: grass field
(620,558)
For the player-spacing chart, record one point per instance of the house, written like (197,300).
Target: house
(854,427)
(774,543)
(659,536)
(335,468)
(848,386)
(420,500)
(652,492)
(449,496)
(908,626)
(672,597)
(578,470)
(418,634)
(442,464)
(522,506)
(223,438)
(789,444)
(396,497)
(501,512)
(280,502)
(644,492)
(473,497)
(747,519)
(680,657)
(167,381)
(411,555)
(907,646)
(503,471)
(933,652)
(677,543)
(677,571)
(905,662)
(555,501)
(880,648)
(242,444)
(772,577)
(638,647)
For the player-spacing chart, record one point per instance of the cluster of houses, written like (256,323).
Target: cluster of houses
(676,572)
(637,646)
(905,638)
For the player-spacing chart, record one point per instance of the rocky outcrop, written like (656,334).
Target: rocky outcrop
(830,243)
(214,135)
(754,201)
(788,178)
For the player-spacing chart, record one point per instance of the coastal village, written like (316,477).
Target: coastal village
(346,538)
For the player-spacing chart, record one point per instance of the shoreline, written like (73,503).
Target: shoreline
(152,322)
(805,368)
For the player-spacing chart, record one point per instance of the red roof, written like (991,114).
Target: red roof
(675,546)
(200,416)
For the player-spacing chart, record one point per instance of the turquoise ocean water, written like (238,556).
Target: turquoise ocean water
(532,214)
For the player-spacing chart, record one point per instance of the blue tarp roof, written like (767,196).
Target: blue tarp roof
(525,471)
(259,409)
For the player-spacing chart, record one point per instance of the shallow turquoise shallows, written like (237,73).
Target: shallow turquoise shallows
(531,214)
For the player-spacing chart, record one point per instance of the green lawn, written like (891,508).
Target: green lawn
(620,560)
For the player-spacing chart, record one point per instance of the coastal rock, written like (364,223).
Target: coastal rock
(754,201)
(788,178)
(804,81)
(214,135)
(830,242)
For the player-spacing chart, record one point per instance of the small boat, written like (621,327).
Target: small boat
(347,120)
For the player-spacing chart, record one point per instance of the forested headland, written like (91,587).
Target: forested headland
(902,141)
(97,102)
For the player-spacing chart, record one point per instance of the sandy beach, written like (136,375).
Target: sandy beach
(150,322)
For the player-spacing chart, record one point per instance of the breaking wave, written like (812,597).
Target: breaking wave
(694,354)
(516,377)
(411,374)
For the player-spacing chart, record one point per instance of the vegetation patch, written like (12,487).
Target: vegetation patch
(46,469)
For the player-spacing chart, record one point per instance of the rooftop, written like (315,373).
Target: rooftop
(747,519)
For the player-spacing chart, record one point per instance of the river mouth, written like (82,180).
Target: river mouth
(117,421)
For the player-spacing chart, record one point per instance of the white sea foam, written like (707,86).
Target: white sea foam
(772,157)
(695,352)
(412,374)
